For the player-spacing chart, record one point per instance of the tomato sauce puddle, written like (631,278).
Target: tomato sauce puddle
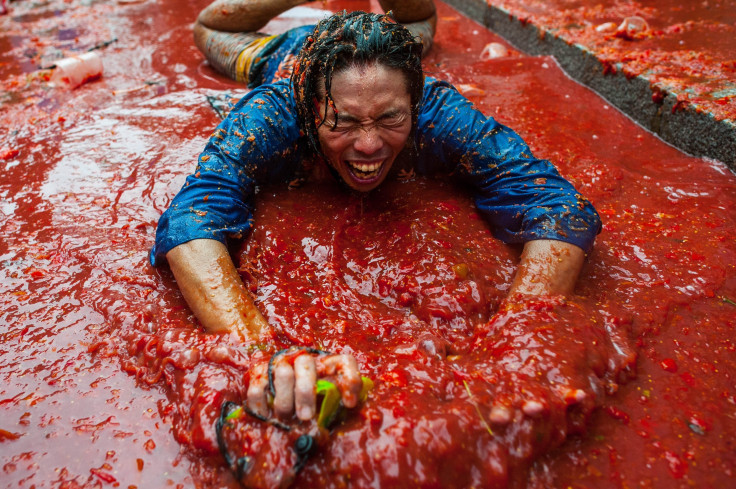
(400,278)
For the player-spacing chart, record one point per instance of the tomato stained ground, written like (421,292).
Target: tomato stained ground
(104,378)
(687,48)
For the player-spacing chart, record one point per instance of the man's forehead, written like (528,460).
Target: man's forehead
(367,106)
(356,77)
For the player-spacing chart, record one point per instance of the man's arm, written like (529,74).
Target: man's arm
(243,15)
(214,291)
(547,267)
(524,199)
(226,27)
(252,15)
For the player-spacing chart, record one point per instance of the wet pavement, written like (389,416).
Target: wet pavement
(87,173)
(670,65)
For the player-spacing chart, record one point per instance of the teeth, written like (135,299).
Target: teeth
(365,169)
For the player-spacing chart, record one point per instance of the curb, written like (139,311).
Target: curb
(690,128)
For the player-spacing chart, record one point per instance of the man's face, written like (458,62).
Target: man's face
(373,123)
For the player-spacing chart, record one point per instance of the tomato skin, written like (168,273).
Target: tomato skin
(669,365)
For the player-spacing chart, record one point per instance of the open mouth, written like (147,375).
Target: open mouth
(365,170)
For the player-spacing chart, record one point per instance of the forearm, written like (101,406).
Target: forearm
(214,291)
(547,267)
(243,15)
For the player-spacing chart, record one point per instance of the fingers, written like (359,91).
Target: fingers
(573,396)
(534,408)
(294,386)
(344,369)
(305,372)
(500,415)
(576,402)
(283,382)
(256,397)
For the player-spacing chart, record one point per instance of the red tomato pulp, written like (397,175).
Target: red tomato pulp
(101,360)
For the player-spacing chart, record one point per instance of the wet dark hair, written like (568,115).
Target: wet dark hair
(344,40)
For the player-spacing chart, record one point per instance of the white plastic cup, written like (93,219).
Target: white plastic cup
(77,70)
(493,50)
(632,28)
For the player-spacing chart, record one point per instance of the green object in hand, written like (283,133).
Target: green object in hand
(235,413)
(331,400)
(367,386)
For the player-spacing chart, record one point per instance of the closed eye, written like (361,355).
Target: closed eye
(390,120)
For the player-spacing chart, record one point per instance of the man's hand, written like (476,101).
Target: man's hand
(294,376)
(547,355)
(548,359)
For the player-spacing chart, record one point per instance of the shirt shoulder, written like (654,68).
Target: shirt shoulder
(260,134)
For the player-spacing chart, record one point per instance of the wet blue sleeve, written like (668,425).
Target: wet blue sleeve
(255,144)
(522,197)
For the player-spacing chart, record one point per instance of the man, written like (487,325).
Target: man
(358,103)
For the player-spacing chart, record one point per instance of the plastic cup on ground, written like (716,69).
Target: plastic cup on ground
(493,50)
(76,70)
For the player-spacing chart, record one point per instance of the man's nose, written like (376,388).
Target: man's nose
(368,140)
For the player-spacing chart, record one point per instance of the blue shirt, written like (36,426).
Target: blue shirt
(521,197)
